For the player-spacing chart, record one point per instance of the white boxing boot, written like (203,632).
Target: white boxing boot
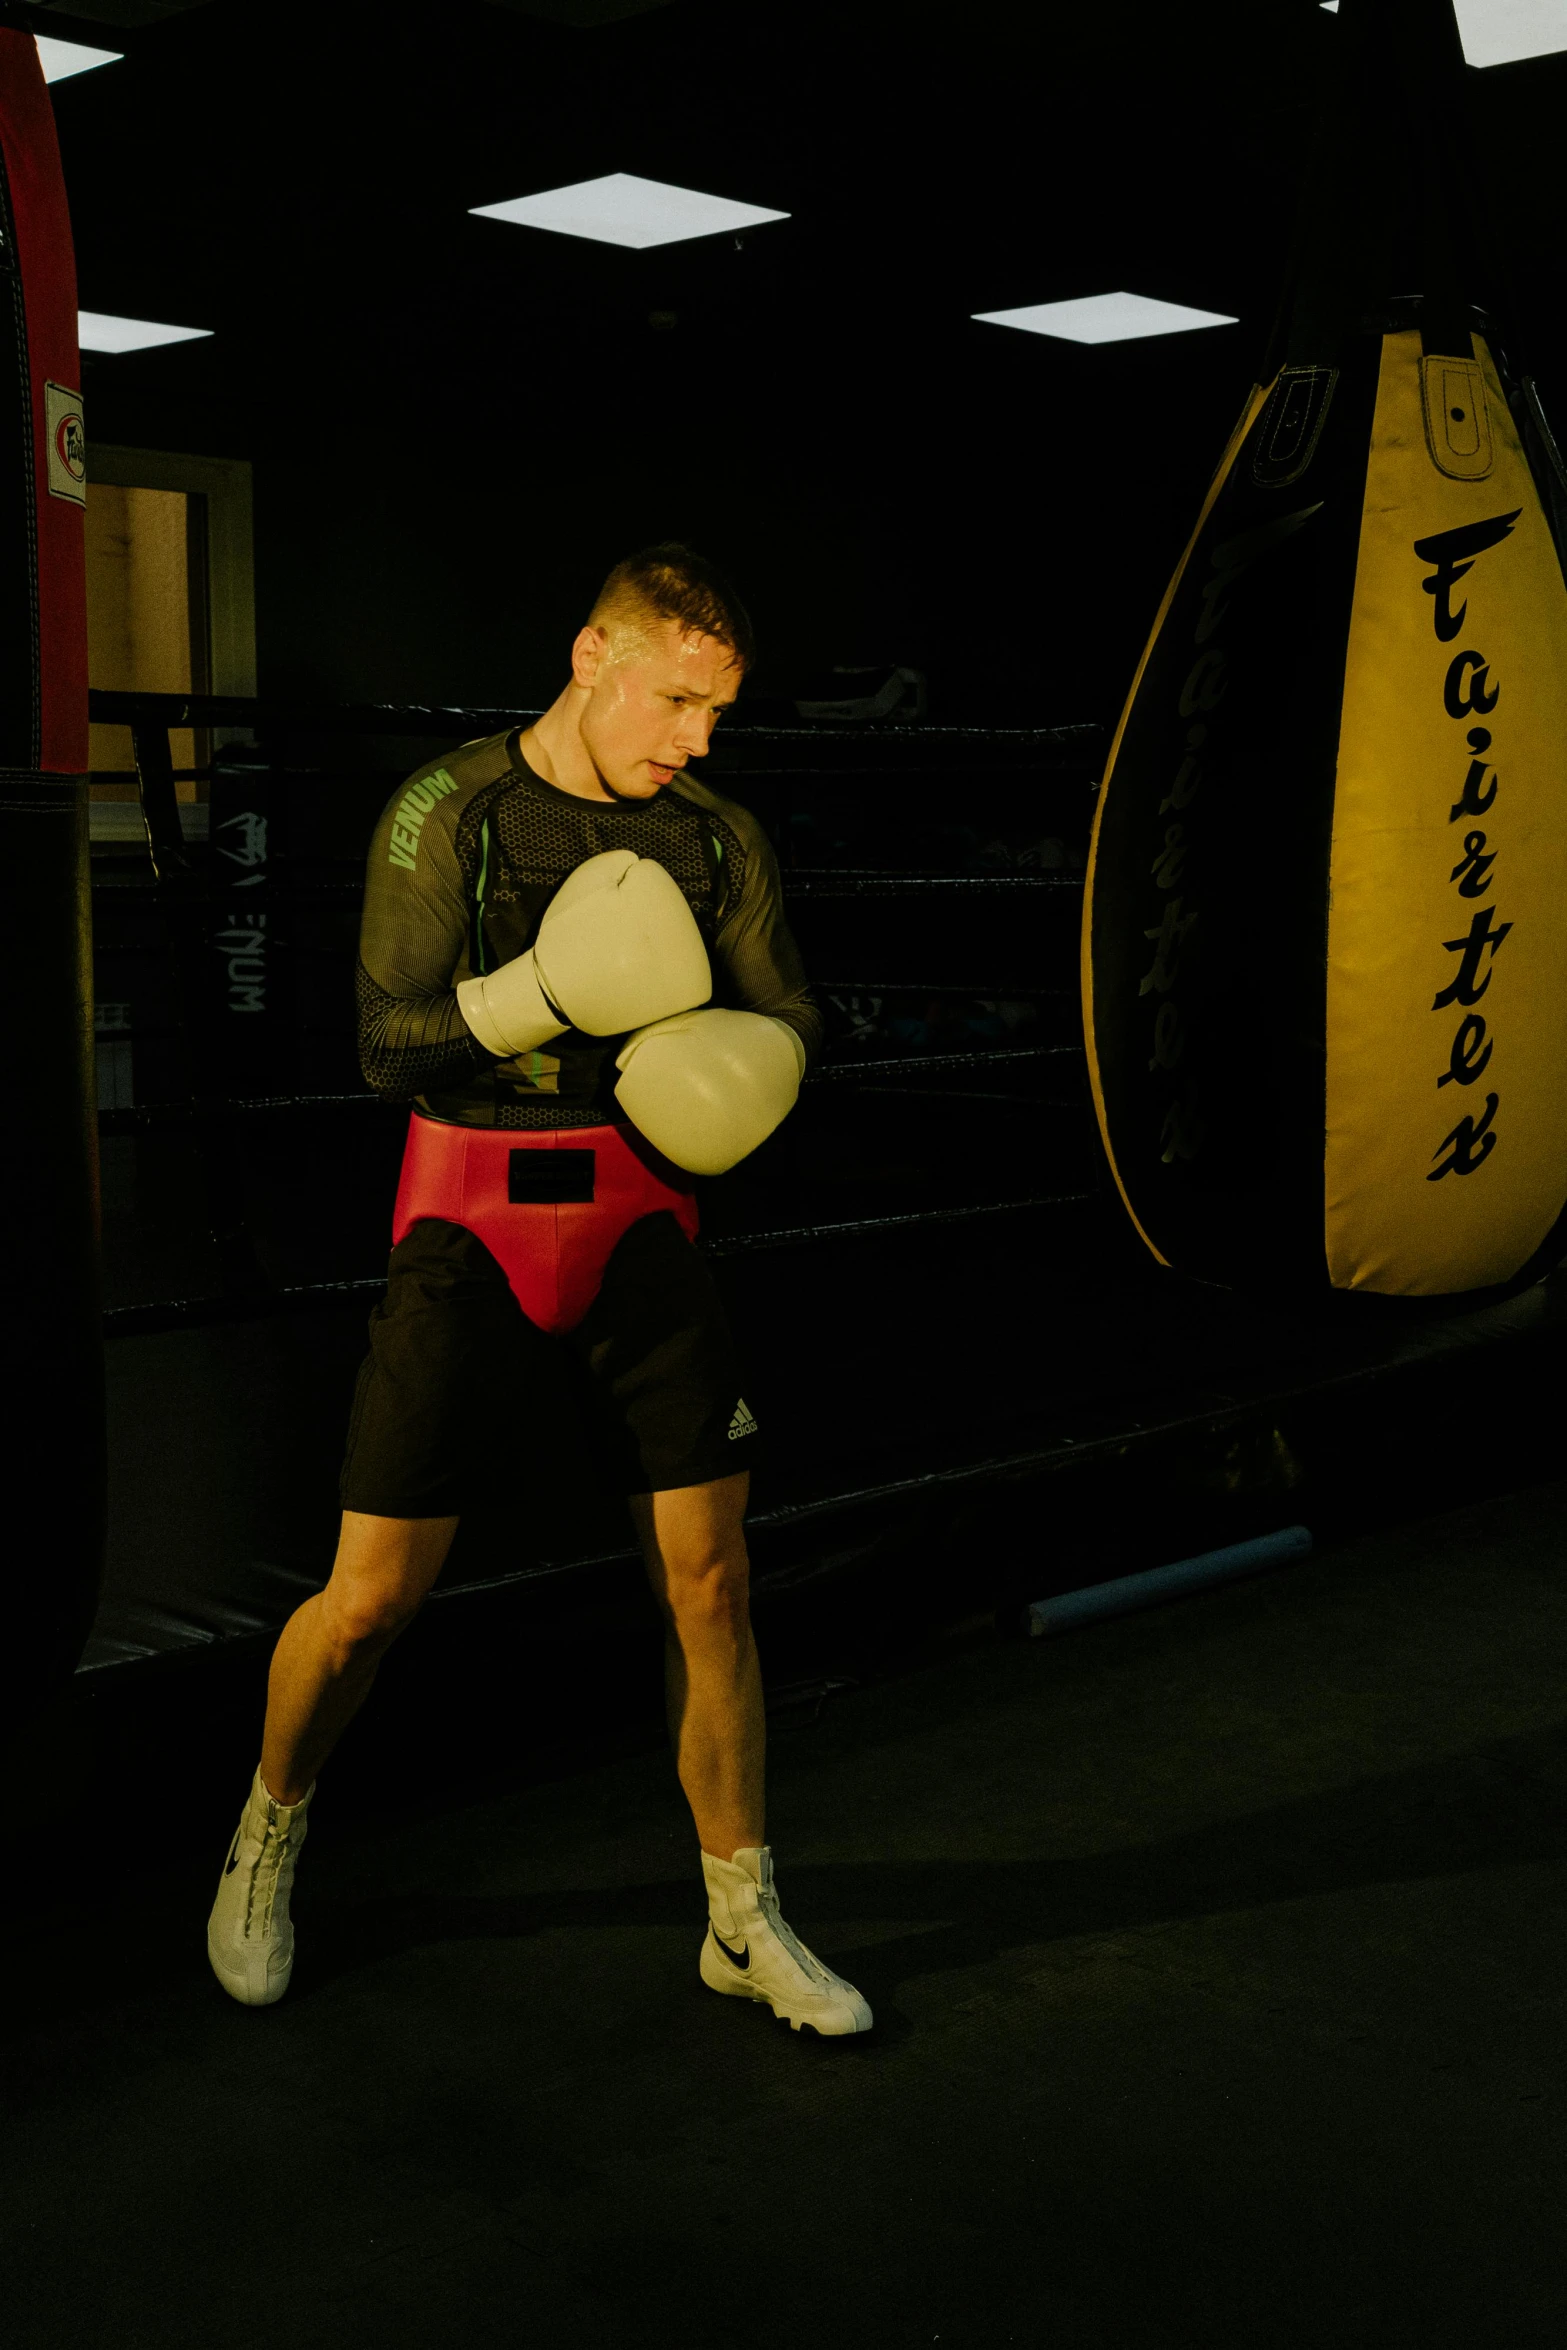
(249,1938)
(751,1954)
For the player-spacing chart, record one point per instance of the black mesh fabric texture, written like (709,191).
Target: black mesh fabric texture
(516,1113)
(535,842)
(403,1069)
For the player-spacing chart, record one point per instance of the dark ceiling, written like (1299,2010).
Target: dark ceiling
(123,14)
(144,12)
(812,400)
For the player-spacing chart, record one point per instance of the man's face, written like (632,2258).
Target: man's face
(652,703)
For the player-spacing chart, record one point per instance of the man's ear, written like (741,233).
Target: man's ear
(588,655)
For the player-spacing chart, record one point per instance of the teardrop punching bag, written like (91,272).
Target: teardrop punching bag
(48,1188)
(1325,938)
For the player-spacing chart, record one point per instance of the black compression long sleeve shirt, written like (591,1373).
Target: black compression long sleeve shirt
(464,861)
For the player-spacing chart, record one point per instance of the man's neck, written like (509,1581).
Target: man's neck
(554,748)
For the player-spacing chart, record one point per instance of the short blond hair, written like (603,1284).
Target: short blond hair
(672,582)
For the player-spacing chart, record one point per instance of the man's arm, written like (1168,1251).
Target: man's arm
(756,951)
(412,948)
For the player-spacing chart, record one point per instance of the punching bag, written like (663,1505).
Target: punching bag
(52,1342)
(1325,937)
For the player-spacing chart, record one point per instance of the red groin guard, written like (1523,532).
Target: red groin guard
(549,1203)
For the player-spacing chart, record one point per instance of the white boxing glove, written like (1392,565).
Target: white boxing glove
(618,947)
(707,1087)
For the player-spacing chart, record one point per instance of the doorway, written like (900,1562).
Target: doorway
(170,609)
(146,613)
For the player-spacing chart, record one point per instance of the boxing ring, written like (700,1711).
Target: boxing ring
(975,1387)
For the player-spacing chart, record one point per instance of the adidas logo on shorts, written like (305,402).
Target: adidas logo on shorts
(743,1424)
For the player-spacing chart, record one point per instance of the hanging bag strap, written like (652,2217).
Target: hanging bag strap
(1388,191)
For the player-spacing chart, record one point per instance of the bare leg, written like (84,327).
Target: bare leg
(327,1655)
(693,1540)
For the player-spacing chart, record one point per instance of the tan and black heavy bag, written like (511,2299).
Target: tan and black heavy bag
(1325,939)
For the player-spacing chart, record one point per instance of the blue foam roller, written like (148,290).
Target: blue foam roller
(1126,1592)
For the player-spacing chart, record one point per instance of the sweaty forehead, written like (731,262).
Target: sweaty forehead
(692,664)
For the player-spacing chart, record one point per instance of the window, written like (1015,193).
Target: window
(170,603)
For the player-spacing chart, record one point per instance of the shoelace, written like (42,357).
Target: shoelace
(808,1963)
(274,1845)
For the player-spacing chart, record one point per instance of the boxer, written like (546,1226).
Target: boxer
(574,965)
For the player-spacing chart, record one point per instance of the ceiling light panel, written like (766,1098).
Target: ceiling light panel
(624,210)
(1500,32)
(1104,318)
(96,332)
(60,59)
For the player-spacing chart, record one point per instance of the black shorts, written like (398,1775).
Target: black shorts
(460,1389)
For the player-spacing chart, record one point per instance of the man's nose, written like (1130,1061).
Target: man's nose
(693,732)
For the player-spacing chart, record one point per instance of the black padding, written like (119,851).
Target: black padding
(535,1176)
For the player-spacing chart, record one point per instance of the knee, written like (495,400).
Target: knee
(708,1591)
(361,1625)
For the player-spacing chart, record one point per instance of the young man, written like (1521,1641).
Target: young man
(574,961)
